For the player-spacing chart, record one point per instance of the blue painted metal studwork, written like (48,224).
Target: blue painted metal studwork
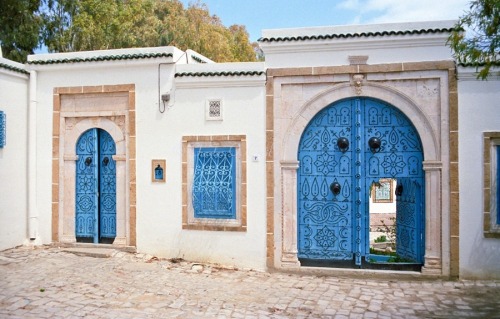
(336,227)
(214,182)
(95,186)
(3,129)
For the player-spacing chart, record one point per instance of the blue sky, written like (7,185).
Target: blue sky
(257,15)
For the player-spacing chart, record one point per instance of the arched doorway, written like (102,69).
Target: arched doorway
(95,200)
(344,152)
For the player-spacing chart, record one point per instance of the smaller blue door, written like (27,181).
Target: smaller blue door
(409,219)
(95,186)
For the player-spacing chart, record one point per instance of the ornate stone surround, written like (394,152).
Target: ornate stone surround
(425,92)
(77,109)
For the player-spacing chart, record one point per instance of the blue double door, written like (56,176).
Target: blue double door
(344,152)
(95,187)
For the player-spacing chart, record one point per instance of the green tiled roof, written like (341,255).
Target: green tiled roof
(13,68)
(477,64)
(104,58)
(354,35)
(197,59)
(235,73)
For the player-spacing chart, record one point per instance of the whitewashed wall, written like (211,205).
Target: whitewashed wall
(158,136)
(479,111)
(159,223)
(13,157)
(336,51)
(143,73)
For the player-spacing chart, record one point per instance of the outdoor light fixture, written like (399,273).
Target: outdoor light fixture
(343,144)
(335,188)
(374,144)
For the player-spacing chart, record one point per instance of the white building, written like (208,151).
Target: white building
(258,165)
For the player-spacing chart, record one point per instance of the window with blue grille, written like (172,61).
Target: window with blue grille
(3,129)
(214,182)
(497,181)
(491,184)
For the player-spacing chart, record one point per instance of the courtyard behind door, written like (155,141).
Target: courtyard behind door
(343,153)
(95,187)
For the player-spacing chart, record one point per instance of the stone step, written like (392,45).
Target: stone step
(91,252)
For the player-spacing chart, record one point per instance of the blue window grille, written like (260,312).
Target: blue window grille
(498,183)
(214,182)
(3,129)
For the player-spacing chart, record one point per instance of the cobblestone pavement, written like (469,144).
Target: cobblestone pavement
(51,283)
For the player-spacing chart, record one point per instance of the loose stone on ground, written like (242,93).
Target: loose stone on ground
(49,282)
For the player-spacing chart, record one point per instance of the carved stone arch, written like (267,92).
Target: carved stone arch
(291,131)
(428,133)
(76,110)
(71,136)
(85,124)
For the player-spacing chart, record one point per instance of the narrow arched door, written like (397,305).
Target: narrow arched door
(95,187)
(345,150)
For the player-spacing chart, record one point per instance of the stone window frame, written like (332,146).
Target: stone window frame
(491,221)
(189,222)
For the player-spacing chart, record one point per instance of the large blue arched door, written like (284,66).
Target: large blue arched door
(95,186)
(334,227)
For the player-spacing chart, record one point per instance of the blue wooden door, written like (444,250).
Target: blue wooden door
(326,223)
(382,143)
(95,186)
(409,235)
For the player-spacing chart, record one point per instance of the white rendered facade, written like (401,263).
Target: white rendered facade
(155,103)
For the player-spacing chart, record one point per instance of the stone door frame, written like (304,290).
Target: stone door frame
(291,114)
(77,109)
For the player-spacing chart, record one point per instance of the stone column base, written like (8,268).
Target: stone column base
(120,241)
(432,266)
(290,260)
(68,239)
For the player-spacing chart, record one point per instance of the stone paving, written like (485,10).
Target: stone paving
(49,282)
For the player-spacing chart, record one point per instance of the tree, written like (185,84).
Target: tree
(19,28)
(481,47)
(77,25)
(71,25)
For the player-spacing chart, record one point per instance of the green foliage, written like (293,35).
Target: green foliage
(399,259)
(78,25)
(381,239)
(20,25)
(374,251)
(389,230)
(479,45)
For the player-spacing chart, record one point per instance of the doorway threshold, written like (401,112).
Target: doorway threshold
(128,249)
(360,273)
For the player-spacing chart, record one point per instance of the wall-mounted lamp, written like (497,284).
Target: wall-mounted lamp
(164,98)
(343,144)
(374,144)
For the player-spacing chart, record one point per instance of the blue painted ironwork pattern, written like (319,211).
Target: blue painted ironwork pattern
(3,129)
(409,236)
(214,182)
(336,227)
(95,186)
